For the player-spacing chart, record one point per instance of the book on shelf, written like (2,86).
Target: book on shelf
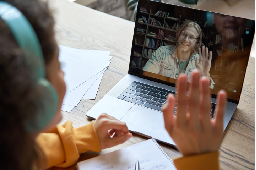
(136,54)
(153,22)
(173,27)
(170,38)
(172,18)
(145,53)
(140,31)
(144,19)
(167,25)
(140,20)
(159,24)
(151,34)
(160,14)
(143,10)
(152,43)
(148,53)
(147,42)
(161,34)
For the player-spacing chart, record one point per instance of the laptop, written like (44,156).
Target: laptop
(162,33)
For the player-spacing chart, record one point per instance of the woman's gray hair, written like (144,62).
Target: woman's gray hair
(198,29)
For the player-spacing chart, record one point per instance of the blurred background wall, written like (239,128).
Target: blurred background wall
(242,8)
(118,8)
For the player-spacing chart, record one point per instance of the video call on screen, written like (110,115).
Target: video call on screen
(170,40)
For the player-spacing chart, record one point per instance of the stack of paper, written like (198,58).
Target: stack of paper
(83,73)
(149,154)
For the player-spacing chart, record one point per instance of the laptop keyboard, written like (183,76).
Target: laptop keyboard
(148,96)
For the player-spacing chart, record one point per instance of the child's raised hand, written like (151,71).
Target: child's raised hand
(111,132)
(192,129)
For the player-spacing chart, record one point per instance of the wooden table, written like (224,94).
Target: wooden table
(80,27)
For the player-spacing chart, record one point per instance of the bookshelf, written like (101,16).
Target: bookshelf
(169,27)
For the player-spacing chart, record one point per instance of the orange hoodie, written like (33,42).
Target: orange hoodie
(63,145)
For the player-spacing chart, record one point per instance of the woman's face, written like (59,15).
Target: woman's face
(231,28)
(187,39)
(55,76)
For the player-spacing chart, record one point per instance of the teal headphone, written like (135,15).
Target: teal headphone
(28,42)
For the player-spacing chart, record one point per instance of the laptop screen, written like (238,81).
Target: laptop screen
(170,40)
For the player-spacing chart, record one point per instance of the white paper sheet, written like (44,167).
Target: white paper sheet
(83,73)
(92,92)
(149,154)
(147,121)
(80,65)
(120,109)
(73,97)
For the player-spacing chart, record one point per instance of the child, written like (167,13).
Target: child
(20,96)
(29,136)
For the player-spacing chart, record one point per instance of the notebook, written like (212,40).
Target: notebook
(153,69)
(149,154)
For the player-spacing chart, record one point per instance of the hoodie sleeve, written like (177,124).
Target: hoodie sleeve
(63,145)
(209,161)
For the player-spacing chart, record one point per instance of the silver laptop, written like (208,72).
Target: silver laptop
(165,44)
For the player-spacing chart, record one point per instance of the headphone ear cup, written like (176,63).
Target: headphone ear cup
(47,106)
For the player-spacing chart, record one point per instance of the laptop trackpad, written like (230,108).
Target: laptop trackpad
(148,122)
(110,105)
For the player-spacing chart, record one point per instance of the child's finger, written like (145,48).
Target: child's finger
(115,132)
(105,115)
(167,110)
(111,132)
(118,133)
(194,99)
(112,118)
(182,99)
(220,109)
(205,102)
(115,124)
(120,139)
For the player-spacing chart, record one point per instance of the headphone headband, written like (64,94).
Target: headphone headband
(24,35)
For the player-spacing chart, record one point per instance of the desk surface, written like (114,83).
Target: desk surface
(81,27)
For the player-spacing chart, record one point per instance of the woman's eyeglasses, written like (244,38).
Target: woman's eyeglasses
(191,38)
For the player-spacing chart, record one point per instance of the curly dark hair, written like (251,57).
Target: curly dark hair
(18,92)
